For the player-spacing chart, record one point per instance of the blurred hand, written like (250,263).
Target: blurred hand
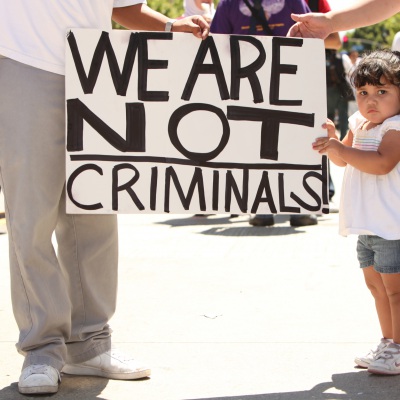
(311,25)
(325,145)
(195,24)
(330,127)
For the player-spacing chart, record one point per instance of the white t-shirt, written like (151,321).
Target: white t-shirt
(396,42)
(33,31)
(370,204)
(190,8)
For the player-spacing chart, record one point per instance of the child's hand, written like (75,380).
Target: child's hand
(330,127)
(331,145)
(323,144)
(328,145)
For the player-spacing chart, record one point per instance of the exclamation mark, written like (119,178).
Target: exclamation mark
(325,180)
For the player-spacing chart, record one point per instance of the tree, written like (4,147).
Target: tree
(170,8)
(375,36)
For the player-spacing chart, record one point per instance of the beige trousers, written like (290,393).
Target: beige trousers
(62,299)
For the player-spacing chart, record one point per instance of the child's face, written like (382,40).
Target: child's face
(377,103)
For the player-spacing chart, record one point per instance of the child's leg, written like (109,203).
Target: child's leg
(387,362)
(384,282)
(375,284)
(392,287)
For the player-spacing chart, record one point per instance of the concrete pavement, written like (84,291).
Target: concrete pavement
(224,311)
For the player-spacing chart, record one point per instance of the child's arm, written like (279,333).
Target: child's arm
(378,162)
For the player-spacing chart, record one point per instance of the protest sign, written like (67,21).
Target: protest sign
(163,122)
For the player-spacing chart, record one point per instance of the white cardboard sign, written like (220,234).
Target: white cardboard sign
(166,123)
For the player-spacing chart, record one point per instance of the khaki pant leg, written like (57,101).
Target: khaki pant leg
(45,293)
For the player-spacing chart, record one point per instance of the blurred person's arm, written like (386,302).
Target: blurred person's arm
(396,42)
(333,41)
(142,17)
(361,13)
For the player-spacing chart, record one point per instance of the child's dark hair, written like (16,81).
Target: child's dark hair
(374,65)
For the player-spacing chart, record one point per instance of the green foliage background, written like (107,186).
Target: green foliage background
(375,36)
(170,8)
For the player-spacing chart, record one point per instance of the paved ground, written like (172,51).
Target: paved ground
(224,311)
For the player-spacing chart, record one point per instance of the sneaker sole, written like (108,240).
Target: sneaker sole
(37,389)
(361,364)
(262,223)
(385,372)
(88,371)
(300,224)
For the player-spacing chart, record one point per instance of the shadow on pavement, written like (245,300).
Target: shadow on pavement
(253,231)
(348,386)
(227,226)
(71,387)
(192,220)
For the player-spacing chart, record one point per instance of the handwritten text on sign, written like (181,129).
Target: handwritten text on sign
(162,122)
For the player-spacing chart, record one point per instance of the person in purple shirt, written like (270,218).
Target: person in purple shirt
(235,17)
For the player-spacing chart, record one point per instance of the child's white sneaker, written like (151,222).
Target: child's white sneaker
(387,362)
(365,361)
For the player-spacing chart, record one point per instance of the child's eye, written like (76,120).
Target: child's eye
(362,92)
(381,91)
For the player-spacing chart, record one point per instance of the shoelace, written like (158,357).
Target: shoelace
(38,369)
(373,353)
(381,347)
(389,352)
(41,369)
(120,356)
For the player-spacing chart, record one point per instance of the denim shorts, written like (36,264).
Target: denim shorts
(382,254)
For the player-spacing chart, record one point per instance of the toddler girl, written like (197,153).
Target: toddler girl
(370,202)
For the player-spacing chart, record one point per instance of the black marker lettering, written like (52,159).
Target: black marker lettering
(145,64)
(249,72)
(126,186)
(271,120)
(120,80)
(187,109)
(325,178)
(264,186)
(71,180)
(77,112)
(215,191)
(277,69)
(282,206)
(310,191)
(197,180)
(153,188)
(231,185)
(200,68)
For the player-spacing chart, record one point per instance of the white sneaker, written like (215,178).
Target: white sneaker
(39,379)
(387,362)
(366,360)
(112,364)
